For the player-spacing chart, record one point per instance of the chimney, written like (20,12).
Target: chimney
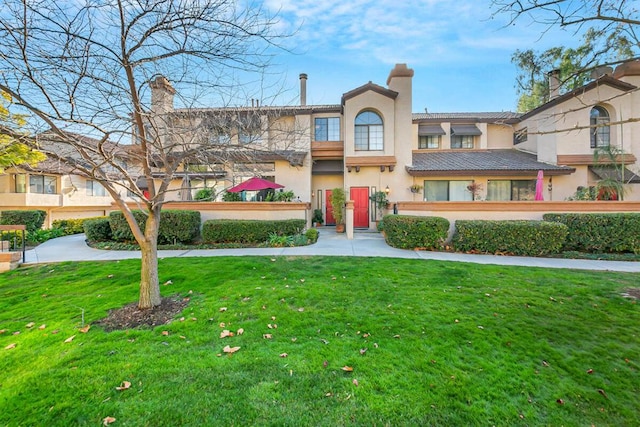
(554,84)
(303,89)
(161,95)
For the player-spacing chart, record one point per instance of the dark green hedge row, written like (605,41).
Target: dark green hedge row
(411,232)
(600,233)
(528,238)
(248,231)
(97,229)
(175,226)
(32,219)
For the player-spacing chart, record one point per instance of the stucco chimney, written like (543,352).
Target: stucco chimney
(303,89)
(161,95)
(554,84)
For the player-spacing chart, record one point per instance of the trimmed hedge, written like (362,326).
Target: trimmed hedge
(411,232)
(175,226)
(600,233)
(32,219)
(97,229)
(525,238)
(248,231)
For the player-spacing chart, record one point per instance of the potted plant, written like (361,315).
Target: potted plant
(317,218)
(381,202)
(338,200)
(415,188)
(475,189)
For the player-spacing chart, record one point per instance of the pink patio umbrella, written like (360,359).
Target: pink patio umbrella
(540,185)
(254,184)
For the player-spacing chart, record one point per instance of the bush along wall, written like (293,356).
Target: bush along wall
(175,226)
(411,232)
(97,229)
(600,233)
(71,226)
(248,231)
(525,238)
(32,219)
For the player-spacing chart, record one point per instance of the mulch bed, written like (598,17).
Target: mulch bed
(130,316)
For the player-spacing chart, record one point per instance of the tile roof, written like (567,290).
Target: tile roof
(480,116)
(486,162)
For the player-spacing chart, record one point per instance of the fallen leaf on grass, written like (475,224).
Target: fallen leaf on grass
(545,363)
(363,350)
(590,371)
(240,331)
(69,339)
(108,420)
(168,282)
(16,333)
(347,368)
(223,309)
(230,350)
(284,355)
(2,331)
(324,364)
(601,391)
(560,402)
(267,336)
(226,333)
(30,325)
(10,346)
(165,333)
(85,329)
(124,386)
(41,327)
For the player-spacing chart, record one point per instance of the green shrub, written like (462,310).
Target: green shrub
(97,229)
(231,197)
(411,232)
(206,194)
(70,226)
(120,230)
(312,235)
(526,238)
(39,236)
(32,219)
(600,232)
(175,226)
(248,231)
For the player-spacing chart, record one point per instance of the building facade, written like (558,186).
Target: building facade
(372,142)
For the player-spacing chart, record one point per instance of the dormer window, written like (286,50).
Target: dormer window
(600,132)
(369,132)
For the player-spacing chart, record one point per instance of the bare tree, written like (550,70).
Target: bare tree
(83,71)
(613,24)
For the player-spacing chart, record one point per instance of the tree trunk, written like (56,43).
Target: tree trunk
(149,282)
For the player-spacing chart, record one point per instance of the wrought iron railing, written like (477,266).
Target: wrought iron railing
(12,239)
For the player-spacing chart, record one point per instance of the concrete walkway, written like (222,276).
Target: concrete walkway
(364,244)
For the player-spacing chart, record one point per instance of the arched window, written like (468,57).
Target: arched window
(369,132)
(600,133)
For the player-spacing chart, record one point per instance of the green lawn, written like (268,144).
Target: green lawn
(430,343)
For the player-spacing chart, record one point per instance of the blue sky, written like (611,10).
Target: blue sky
(460,54)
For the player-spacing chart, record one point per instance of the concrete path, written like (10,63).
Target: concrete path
(330,243)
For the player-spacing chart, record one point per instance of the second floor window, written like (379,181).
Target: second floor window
(369,132)
(600,133)
(327,129)
(42,184)
(429,141)
(462,141)
(94,188)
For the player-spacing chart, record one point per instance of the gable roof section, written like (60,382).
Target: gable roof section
(369,87)
(604,80)
(481,163)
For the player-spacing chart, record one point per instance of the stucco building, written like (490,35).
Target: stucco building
(371,141)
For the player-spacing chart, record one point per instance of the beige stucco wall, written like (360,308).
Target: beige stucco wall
(382,105)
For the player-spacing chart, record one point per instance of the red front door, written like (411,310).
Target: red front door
(360,197)
(330,219)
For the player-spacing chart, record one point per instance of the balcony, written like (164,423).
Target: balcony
(327,149)
(29,200)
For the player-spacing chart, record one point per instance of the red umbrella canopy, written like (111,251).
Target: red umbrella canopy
(254,184)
